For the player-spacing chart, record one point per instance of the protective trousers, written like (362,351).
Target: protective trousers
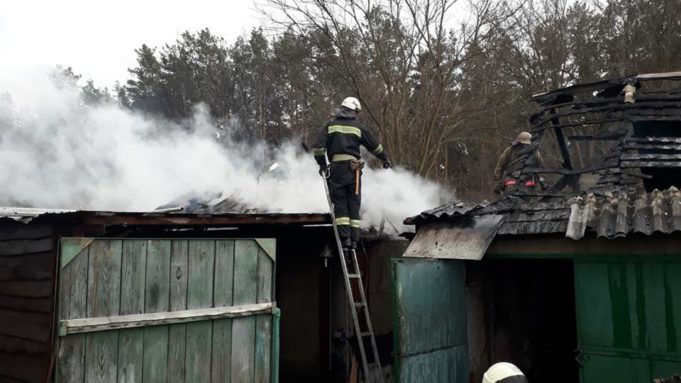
(346,202)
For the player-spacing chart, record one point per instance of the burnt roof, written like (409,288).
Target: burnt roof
(629,184)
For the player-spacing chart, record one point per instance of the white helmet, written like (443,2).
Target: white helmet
(504,372)
(352,104)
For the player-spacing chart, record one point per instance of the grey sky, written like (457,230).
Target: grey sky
(98,38)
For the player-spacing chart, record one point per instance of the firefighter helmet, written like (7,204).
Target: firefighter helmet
(352,104)
(504,372)
(524,138)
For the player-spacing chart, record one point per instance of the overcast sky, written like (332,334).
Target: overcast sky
(98,38)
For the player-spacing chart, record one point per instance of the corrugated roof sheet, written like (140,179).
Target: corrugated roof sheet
(449,210)
(26,214)
(521,217)
(608,215)
(619,214)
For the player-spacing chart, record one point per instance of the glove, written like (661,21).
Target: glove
(386,164)
(324,170)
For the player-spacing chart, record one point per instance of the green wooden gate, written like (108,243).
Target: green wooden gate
(429,320)
(628,317)
(161,310)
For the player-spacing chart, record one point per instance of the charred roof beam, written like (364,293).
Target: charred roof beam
(562,143)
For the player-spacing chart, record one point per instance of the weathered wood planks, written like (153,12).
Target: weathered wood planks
(161,310)
(121,322)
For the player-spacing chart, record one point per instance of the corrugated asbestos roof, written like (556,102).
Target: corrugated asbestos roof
(608,215)
(617,215)
(521,217)
(449,210)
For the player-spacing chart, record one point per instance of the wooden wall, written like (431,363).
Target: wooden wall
(27,261)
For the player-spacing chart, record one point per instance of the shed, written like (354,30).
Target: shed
(578,282)
(120,296)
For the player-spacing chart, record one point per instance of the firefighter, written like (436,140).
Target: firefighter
(512,160)
(339,140)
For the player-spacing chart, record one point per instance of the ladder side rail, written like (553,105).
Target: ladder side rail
(348,285)
(367,318)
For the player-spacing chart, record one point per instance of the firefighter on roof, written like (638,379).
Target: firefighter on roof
(339,140)
(507,175)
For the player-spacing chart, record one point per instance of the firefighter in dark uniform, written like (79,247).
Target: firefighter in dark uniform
(511,161)
(339,140)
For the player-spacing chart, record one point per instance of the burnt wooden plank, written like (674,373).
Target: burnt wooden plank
(263,348)
(222,350)
(29,325)
(653,146)
(606,136)
(224,273)
(104,278)
(36,266)
(22,367)
(73,304)
(155,354)
(9,345)
(242,367)
(101,357)
(178,301)
(651,140)
(201,263)
(652,157)
(39,305)
(25,246)
(651,164)
(133,285)
(25,231)
(27,289)
(133,270)
(198,357)
(245,272)
(264,281)
(157,290)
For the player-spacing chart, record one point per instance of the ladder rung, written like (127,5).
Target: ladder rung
(353,275)
(363,334)
(360,304)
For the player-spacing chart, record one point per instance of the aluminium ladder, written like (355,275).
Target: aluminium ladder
(372,372)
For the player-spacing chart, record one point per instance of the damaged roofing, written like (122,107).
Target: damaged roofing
(632,187)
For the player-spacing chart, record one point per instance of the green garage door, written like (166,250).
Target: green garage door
(429,320)
(628,317)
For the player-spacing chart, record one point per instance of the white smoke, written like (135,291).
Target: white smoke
(56,152)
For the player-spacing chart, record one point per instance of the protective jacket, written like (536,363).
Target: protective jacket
(512,159)
(342,137)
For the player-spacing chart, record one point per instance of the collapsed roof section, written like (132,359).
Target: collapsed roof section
(612,153)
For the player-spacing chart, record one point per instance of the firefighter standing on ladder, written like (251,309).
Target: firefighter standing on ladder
(511,162)
(339,140)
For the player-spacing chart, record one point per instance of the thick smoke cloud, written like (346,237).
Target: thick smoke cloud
(56,152)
